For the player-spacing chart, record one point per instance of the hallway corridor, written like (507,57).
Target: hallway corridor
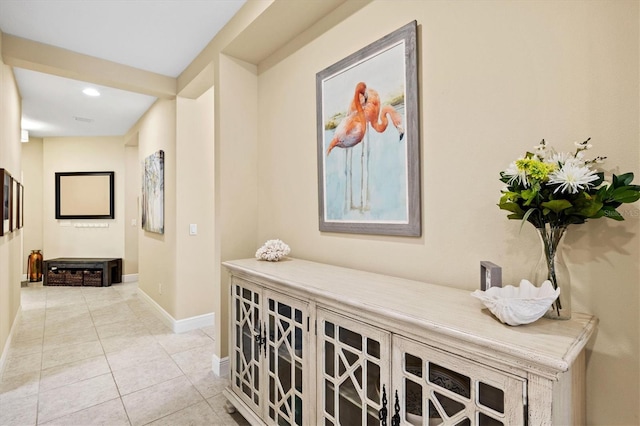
(100,356)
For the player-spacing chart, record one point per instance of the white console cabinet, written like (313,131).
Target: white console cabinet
(314,344)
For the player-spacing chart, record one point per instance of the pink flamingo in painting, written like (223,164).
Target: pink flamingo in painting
(378,117)
(348,134)
(364,108)
(352,128)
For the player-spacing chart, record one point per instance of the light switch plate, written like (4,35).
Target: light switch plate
(193,229)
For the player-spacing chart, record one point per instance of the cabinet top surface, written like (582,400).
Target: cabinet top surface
(446,310)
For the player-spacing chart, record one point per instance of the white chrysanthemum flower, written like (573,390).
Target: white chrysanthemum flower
(273,250)
(572,178)
(516,175)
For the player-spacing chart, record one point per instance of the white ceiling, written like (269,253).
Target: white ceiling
(56,106)
(161,36)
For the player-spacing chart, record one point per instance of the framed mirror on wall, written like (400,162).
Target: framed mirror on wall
(85,195)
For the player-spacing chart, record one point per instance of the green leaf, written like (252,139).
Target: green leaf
(611,213)
(512,207)
(625,179)
(586,205)
(557,205)
(598,182)
(589,209)
(624,195)
(529,195)
(508,197)
(601,195)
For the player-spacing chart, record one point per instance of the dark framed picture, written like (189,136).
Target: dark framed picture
(5,199)
(85,195)
(20,206)
(14,204)
(368,139)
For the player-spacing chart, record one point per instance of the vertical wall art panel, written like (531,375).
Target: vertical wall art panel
(368,147)
(153,193)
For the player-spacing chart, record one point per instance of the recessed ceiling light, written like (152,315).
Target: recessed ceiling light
(90,91)
(83,119)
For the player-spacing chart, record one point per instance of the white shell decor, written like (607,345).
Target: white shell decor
(272,251)
(518,305)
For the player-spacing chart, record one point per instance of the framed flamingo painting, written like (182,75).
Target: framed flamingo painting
(368,139)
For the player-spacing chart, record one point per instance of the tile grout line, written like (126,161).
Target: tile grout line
(104,353)
(44,325)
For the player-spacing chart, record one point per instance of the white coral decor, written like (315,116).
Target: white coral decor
(272,251)
(518,305)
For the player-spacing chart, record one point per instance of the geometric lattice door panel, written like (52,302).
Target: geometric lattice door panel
(353,367)
(437,388)
(246,344)
(287,352)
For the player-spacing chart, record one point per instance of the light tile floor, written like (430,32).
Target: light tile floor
(100,356)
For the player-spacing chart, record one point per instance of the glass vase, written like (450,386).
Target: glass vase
(552,267)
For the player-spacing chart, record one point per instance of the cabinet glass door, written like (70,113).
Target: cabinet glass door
(287,351)
(246,342)
(438,388)
(353,367)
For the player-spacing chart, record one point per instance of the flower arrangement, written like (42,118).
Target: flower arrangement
(273,251)
(552,190)
(561,188)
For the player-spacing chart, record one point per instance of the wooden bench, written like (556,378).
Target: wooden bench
(82,271)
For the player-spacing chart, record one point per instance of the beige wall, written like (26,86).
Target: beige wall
(62,238)
(237,166)
(157,252)
(131,210)
(495,78)
(195,205)
(10,244)
(32,175)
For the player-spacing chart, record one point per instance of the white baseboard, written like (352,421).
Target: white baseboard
(129,278)
(7,344)
(178,326)
(187,324)
(219,366)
